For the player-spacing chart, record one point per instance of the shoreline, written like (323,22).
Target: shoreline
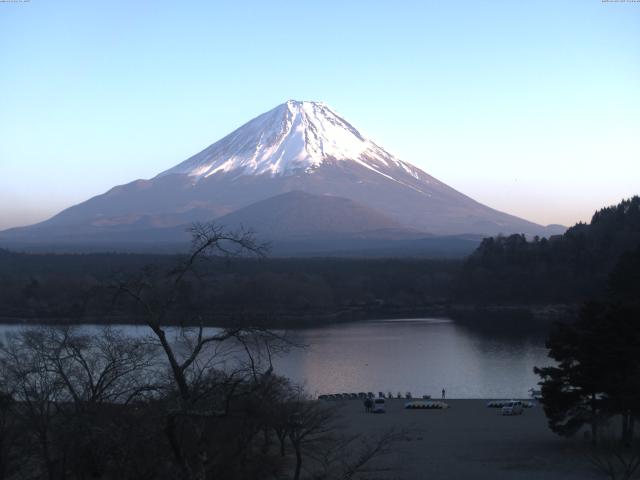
(538,317)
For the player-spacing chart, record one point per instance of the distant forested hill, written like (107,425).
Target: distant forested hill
(75,288)
(562,269)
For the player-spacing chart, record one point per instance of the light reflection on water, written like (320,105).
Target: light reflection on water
(422,356)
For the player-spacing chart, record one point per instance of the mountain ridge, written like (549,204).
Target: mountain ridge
(297,214)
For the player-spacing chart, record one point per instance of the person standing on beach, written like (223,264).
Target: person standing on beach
(443,393)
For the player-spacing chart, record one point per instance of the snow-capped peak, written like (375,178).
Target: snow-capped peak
(294,136)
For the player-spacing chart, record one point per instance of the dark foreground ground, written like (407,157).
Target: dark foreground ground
(471,441)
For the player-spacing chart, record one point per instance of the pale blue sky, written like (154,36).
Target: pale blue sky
(532,107)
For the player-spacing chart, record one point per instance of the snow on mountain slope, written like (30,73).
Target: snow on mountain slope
(292,137)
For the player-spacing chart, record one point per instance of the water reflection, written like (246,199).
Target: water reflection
(421,355)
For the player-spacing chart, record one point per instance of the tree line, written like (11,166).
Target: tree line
(77,288)
(561,269)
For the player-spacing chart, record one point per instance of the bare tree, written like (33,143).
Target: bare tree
(310,423)
(39,393)
(616,460)
(200,382)
(67,386)
(9,436)
(157,299)
(107,367)
(318,440)
(354,456)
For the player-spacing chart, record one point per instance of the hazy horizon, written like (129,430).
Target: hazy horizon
(528,108)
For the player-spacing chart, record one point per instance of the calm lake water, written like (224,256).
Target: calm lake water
(422,356)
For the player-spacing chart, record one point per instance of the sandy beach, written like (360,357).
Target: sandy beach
(471,441)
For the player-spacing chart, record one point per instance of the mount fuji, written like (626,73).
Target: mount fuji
(299,171)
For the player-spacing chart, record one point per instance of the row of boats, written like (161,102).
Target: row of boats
(365,395)
(414,404)
(502,403)
(428,405)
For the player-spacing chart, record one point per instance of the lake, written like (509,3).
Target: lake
(421,355)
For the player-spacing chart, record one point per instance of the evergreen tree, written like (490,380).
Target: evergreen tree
(573,391)
(598,367)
